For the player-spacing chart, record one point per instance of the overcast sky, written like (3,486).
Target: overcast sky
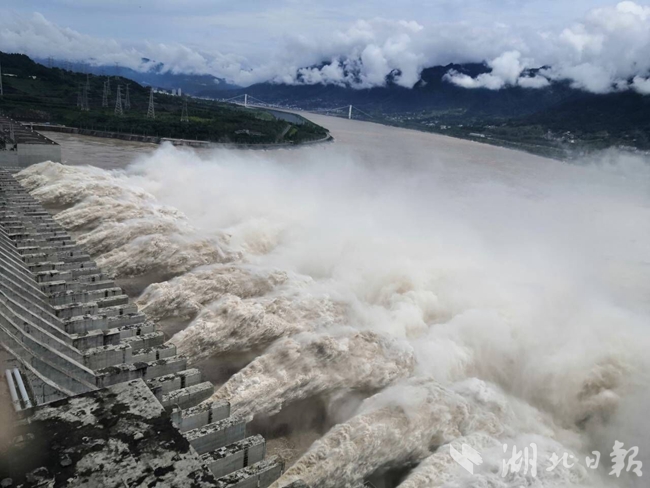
(253,40)
(252,27)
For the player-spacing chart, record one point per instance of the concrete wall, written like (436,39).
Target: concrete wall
(9,159)
(29,154)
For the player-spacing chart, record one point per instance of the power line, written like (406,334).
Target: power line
(151,112)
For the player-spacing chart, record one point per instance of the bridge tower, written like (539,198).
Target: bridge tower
(246,100)
(151,112)
(118,101)
(350,113)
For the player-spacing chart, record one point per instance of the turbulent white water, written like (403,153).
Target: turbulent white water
(185,296)
(505,302)
(233,324)
(307,365)
(405,423)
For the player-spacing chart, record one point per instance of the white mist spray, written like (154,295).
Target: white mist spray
(529,275)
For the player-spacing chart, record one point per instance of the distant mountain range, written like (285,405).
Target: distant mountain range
(556,120)
(555,116)
(157,76)
(432,92)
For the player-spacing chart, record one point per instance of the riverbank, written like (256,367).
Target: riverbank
(160,140)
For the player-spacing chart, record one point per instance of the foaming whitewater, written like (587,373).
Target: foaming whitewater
(138,247)
(440,469)
(121,225)
(404,424)
(185,296)
(425,302)
(58,185)
(308,365)
(92,212)
(233,324)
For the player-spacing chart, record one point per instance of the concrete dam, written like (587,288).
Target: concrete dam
(21,146)
(92,395)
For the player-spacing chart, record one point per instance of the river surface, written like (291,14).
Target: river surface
(365,141)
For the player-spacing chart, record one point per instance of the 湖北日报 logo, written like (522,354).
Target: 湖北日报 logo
(467,458)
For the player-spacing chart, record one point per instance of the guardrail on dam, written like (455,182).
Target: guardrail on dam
(97,397)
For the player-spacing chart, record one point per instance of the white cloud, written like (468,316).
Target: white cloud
(533,82)
(641,85)
(38,37)
(606,51)
(599,55)
(507,70)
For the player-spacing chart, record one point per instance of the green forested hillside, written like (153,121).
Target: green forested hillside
(35,93)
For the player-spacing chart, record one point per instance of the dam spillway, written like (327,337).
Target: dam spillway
(97,396)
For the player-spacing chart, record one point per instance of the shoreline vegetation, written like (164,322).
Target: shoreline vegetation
(51,97)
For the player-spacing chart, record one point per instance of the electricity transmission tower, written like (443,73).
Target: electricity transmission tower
(105,96)
(79,97)
(151,112)
(84,99)
(184,117)
(127,100)
(118,101)
(85,93)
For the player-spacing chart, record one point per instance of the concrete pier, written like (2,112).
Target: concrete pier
(87,361)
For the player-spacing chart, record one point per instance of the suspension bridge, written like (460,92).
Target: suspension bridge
(247,101)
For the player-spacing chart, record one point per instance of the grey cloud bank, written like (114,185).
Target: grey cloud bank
(603,52)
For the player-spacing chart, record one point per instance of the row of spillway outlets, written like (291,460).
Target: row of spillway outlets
(67,330)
